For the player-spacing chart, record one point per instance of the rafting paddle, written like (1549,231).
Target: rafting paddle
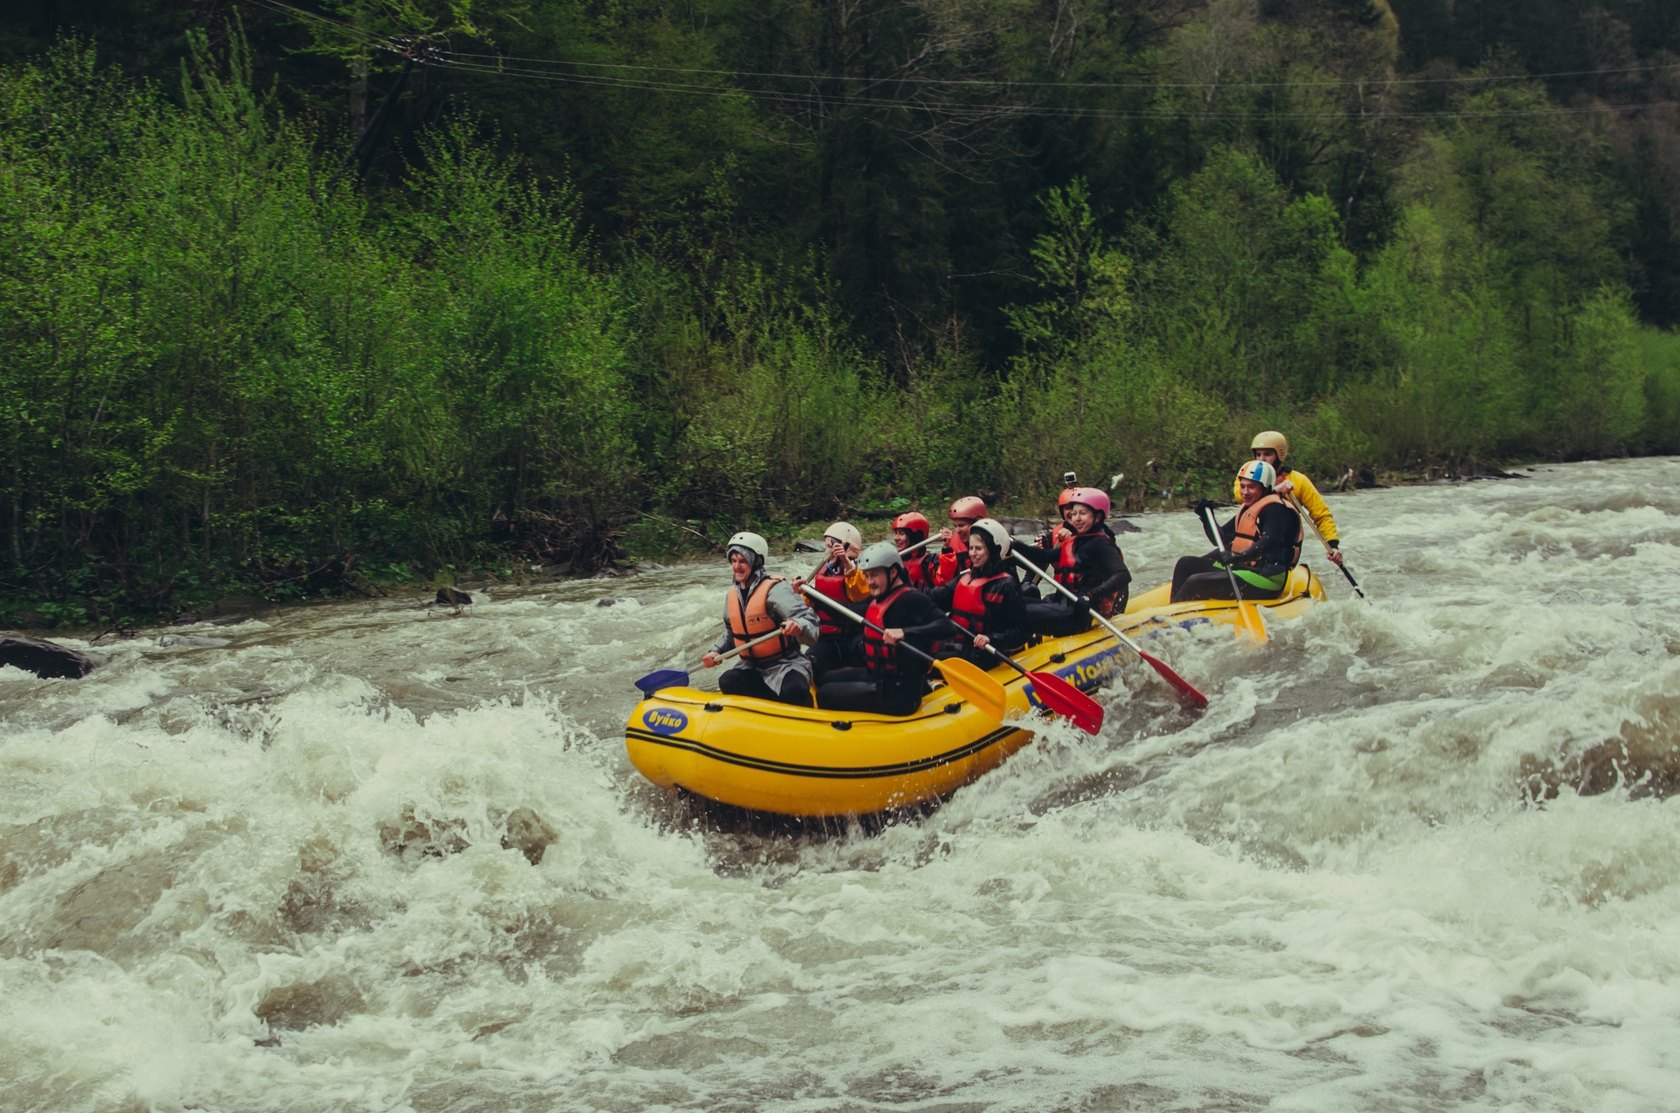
(1312,525)
(965,679)
(1248,615)
(676,678)
(1057,694)
(1181,685)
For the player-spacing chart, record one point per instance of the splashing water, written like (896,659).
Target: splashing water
(1418,854)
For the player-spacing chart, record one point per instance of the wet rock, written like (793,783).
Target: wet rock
(186,618)
(454,597)
(607,602)
(806,545)
(192,641)
(45,659)
(411,837)
(650,566)
(299,1006)
(529,834)
(607,573)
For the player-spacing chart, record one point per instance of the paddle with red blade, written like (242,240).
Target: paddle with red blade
(1058,695)
(1179,684)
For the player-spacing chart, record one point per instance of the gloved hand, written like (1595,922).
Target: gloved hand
(1082,604)
(1201,506)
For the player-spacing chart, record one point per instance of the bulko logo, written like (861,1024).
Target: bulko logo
(665,720)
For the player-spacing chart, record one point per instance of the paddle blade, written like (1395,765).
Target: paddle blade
(1067,701)
(1181,685)
(664,678)
(974,685)
(1249,622)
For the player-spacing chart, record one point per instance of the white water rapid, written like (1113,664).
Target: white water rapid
(1418,854)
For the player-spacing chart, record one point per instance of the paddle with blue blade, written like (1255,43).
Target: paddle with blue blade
(967,680)
(677,678)
(1180,685)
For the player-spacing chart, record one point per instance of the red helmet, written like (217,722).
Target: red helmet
(912,521)
(1084,496)
(968,507)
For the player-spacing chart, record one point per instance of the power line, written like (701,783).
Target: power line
(1009,83)
(815,100)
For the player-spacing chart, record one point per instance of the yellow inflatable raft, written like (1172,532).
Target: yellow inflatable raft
(771,757)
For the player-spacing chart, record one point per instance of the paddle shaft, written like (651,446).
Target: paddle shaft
(1236,591)
(860,620)
(1312,525)
(760,640)
(1065,590)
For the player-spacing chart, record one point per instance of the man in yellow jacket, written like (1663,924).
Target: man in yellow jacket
(1272,446)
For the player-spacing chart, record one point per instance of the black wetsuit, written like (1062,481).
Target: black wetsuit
(868,688)
(1204,577)
(1102,571)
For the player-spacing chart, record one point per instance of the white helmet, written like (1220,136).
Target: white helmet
(993,528)
(751,545)
(882,554)
(845,533)
(1258,471)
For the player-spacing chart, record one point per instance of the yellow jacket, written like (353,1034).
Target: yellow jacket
(1311,500)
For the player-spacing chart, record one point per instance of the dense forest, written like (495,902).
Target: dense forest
(306,299)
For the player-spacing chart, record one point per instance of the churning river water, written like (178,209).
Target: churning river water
(1417,854)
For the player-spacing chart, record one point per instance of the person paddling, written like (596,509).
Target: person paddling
(911,528)
(756,605)
(986,599)
(1260,545)
(889,682)
(954,560)
(1084,557)
(1272,447)
(838,578)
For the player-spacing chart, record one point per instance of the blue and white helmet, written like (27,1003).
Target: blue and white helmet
(1258,471)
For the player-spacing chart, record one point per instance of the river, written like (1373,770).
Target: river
(270,874)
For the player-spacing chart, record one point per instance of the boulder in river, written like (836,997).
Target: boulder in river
(529,834)
(45,659)
(453,597)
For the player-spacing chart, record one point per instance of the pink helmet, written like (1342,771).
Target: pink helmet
(1085,496)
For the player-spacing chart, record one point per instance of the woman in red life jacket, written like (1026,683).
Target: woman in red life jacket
(1084,558)
(889,682)
(838,578)
(986,599)
(1263,542)
(954,560)
(757,604)
(911,528)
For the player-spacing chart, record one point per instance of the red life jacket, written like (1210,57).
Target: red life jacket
(833,585)
(922,569)
(744,627)
(1247,531)
(952,563)
(880,658)
(968,602)
(1067,574)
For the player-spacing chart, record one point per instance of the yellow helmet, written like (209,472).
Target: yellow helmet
(1273,440)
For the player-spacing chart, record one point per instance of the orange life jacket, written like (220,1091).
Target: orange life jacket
(953,562)
(1247,531)
(880,658)
(1067,574)
(757,621)
(833,585)
(968,602)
